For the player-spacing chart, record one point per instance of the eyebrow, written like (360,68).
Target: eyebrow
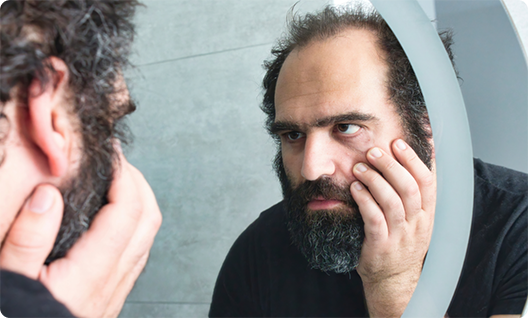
(279,126)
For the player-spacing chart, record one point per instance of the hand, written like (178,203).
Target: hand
(398,211)
(97,274)
(33,233)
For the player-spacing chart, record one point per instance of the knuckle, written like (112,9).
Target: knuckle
(412,157)
(428,180)
(156,220)
(411,190)
(374,178)
(390,165)
(376,222)
(362,199)
(394,205)
(136,173)
(26,240)
(135,211)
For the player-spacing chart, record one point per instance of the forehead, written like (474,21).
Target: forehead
(338,75)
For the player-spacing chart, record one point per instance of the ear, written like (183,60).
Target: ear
(49,122)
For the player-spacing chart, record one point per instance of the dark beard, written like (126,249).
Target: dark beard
(86,193)
(84,196)
(330,240)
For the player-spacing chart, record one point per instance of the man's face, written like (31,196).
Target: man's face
(331,107)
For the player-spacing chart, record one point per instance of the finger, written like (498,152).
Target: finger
(399,179)
(425,178)
(123,289)
(383,193)
(33,233)
(136,254)
(375,223)
(150,222)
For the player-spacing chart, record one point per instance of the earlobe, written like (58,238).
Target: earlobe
(49,125)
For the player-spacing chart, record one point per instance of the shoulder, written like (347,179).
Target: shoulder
(267,229)
(268,219)
(241,284)
(493,279)
(501,196)
(501,200)
(500,178)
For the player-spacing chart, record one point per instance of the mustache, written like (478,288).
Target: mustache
(324,188)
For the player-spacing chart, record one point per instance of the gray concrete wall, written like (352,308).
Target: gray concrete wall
(199,139)
(495,80)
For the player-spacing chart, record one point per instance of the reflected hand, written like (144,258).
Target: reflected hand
(398,211)
(97,274)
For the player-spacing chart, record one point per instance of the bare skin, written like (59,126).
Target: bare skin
(398,212)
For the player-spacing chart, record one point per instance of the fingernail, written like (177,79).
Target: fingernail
(400,144)
(375,152)
(358,186)
(361,167)
(41,200)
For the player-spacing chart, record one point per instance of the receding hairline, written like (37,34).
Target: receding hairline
(365,41)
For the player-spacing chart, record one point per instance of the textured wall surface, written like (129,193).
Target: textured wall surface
(495,79)
(199,139)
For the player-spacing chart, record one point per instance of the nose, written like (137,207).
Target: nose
(318,158)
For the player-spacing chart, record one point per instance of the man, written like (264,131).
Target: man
(62,97)
(356,165)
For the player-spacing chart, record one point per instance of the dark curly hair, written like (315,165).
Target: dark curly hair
(93,38)
(402,85)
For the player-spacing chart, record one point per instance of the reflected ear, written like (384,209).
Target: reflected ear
(49,122)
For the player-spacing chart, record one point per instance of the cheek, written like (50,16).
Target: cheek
(352,153)
(356,148)
(292,162)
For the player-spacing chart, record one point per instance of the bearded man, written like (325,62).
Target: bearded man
(356,165)
(63,97)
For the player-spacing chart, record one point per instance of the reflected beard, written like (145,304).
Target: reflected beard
(330,240)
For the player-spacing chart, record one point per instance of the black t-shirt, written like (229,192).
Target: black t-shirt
(264,274)
(21,296)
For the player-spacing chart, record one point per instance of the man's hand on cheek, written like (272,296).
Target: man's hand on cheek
(96,275)
(397,207)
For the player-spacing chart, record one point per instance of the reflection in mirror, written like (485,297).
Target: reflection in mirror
(200,141)
(340,100)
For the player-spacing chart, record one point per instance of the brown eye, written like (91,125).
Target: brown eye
(348,129)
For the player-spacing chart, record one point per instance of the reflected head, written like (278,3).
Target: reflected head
(401,84)
(339,83)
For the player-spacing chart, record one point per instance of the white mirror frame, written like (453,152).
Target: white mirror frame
(453,149)
(454,155)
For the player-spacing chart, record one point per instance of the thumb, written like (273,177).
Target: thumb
(33,232)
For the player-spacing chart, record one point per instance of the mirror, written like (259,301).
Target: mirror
(200,141)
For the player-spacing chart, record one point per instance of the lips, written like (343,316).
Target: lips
(323,204)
